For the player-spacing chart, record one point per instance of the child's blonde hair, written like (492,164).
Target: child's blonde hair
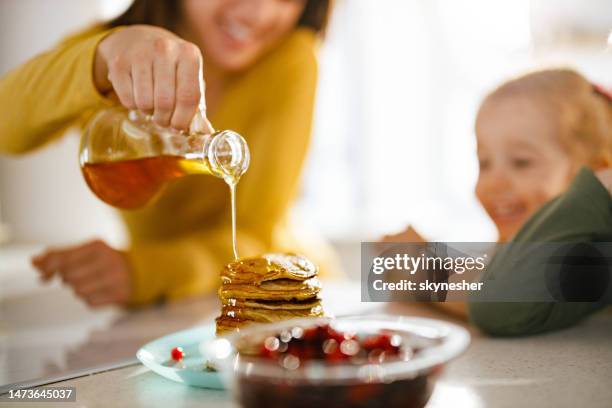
(584,110)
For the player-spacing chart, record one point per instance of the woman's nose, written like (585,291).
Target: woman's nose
(255,12)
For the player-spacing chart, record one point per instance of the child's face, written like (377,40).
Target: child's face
(522,163)
(233,34)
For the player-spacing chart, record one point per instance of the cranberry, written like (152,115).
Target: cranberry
(336,335)
(326,343)
(336,356)
(384,342)
(177,353)
(310,334)
(301,349)
(267,353)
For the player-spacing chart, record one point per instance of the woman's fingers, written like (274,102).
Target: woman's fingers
(187,86)
(153,70)
(106,298)
(142,83)
(164,81)
(164,91)
(54,261)
(98,273)
(80,274)
(120,75)
(92,283)
(110,290)
(38,262)
(98,283)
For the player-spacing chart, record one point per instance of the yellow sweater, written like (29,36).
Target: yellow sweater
(180,242)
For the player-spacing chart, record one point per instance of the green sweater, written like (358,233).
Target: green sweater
(582,214)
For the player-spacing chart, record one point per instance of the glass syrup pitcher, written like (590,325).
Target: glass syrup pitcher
(127,159)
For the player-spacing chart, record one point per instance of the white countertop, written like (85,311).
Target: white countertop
(48,332)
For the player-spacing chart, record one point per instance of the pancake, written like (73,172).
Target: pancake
(235,318)
(227,324)
(269,288)
(266,315)
(280,289)
(273,304)
(255,270)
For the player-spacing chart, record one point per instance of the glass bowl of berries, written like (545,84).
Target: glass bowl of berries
(353,361)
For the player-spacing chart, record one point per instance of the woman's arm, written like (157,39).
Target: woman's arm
(582,214)
(148,68)
(42,97)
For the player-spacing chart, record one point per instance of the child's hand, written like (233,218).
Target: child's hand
(407,235)
(98,273)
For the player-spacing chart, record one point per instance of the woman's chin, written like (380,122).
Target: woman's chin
(233,62)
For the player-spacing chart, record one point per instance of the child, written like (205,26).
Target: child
(534,133)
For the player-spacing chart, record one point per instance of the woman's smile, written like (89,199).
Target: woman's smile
(236,34)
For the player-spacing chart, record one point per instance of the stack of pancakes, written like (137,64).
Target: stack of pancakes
(266,289)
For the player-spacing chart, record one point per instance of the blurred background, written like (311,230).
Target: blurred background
(400,83)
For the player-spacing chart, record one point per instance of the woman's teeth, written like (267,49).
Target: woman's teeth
(238,32)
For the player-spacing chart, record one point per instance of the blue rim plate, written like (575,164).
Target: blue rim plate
(191,371)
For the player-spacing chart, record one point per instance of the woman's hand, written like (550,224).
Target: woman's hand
(98,273)
(152,70)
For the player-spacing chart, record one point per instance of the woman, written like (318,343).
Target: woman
(259,67)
